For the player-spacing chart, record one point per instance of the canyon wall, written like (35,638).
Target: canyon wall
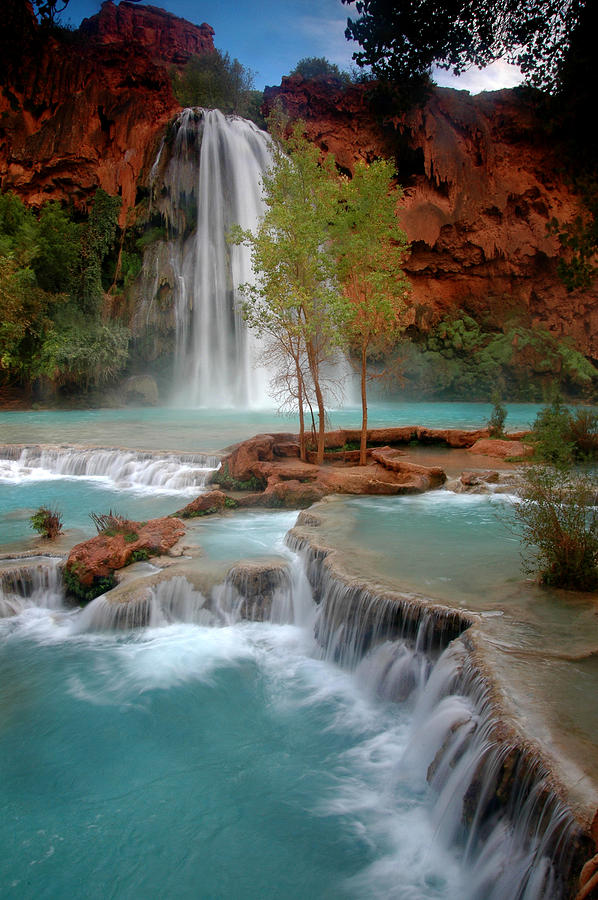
(481,179)
(89,107)
(481,182)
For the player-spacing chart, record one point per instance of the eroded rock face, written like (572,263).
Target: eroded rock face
(89,110)
(481,185)
(502,449)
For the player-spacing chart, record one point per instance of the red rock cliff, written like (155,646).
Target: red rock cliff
(86,110)
(481,185)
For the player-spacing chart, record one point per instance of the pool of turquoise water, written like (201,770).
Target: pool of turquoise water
(201,762)
(212,430)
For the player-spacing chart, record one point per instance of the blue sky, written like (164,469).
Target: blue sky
(271,36)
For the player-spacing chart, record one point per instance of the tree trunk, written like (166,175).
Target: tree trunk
(364,409)
(302,449)
(313,368)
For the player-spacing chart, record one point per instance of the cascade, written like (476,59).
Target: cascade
(34,581)
(212,180)
(125,468)
(493,798)
(490,798)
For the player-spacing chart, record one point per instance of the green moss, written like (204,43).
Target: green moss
(83,593)
(140,555)
(226,480)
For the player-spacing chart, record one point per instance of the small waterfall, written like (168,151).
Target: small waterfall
(174,600)
(211,181)
(279,593)
(493,798)
(125,468)
(29,582)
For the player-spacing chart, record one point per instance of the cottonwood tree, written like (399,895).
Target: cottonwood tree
(370,248)
(296,299)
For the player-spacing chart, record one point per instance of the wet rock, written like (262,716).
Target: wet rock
(471,479)
(205,505)
(255,584)
(140,389)
(588,881)
(502,449)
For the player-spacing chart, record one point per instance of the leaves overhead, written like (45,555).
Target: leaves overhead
(404,40)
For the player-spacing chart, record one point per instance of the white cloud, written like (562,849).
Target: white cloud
(497,75)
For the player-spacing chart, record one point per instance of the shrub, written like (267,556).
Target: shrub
(558,517)
(47,522)
(551,434)
(496,422)
(583,426)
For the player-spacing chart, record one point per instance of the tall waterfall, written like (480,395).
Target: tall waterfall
(212,181)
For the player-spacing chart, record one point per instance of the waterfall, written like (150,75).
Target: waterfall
(212,180)
(492,796)
(124,468)
(34,581)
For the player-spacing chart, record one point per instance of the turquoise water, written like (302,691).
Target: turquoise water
(461,547)
(201,762)
(76,498)
(212,430)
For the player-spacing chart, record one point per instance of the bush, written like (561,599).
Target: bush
(551,434)
(560,437)
(47,522)
(558,516)
(496,422)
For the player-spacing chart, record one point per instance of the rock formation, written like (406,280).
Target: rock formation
(89,108)
(482,183)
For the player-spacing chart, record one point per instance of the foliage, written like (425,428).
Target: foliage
(84,352)
(404,40)
(81,592)
(110,521)
(216,81)
(583,428)
(57,255)
(496,422)
(369,248)
(48,10)
(296,302)
(223,477)
(139,555)
(98,239)
(461,357)
(47,522)
(558,516)
(52,276)
(560,437)
(311,67)
(551,434)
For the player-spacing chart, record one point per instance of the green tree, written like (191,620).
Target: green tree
(216,81)
(370,248)
(296,300)
(404,40)
(319,67)
(98,239)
